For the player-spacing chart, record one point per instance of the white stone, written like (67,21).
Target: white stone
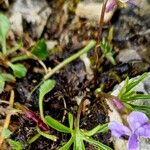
(128,55)
(92,11)
(35,12)
(16,23)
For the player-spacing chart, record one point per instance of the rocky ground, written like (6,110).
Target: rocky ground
(66,27)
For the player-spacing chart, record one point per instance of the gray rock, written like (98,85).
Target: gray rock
(35,12)
(144,5)
(128,55)
(16,23)
(51,44)
(144,87)
(92,11)
(144,51)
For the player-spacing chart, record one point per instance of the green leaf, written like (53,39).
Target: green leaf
(40,50)
(4,29)
(19,70)
(46,135)
(127,89)
(123,89)
(46,87)
(8,77)
(107,51)
(34,138)
(137,97)
(109,57)
(97,129)
(70,118)
(143,108)
(135,82)
(78,142)
(67,145)
(56,125)
(97,144)
(127,92)
(15,145)
(6,133)
(2,84)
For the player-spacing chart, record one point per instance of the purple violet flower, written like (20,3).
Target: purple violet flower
(114,3)
(139,127)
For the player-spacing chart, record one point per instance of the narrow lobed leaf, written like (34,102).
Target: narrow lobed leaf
(8,77)
(135,82)
(97,144)
(56,125)
(15,145)
(46,135)
(67,145)
(97,129)
(70,118)
(46,87)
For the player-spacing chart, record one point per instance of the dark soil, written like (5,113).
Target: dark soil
(72,81)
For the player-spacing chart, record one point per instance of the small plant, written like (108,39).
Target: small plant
(127,94)
(139,127)
(8,56)
(15,145)
(78,136)
(107,51)
(18,69)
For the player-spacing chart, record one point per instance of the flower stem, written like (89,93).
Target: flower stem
(70,59)
(8,117)
(91,44)
(77,127)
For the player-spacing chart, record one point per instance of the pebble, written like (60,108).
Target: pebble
(34,12)
(128,55)
(92,11)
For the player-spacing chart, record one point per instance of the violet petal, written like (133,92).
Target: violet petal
(137,119)
(111,5)
(144,131)
(133,143)
(118,130)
